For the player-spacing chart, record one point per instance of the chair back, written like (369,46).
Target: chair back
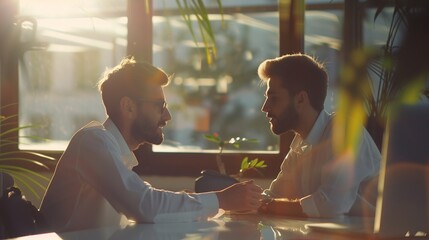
(18,217)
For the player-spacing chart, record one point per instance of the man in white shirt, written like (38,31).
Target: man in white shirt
(93,184)
(312,181)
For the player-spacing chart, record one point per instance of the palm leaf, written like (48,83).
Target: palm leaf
(207,43)
(9,131)
(198,9)
(219,3)
(25,173)
(203,17)
(185,12)
(36,163)
(11,159)
(24,176)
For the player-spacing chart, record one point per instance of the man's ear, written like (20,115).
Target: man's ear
(301,99)
(127,107)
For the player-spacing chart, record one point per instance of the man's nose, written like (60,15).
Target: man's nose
(167,115)
(265,107)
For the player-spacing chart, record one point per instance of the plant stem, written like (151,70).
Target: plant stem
(220,164)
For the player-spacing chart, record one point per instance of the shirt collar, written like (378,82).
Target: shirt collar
(318,128)
(127,155)
(300,145)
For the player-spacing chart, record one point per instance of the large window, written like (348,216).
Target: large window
(224,97)
(69,47)
(74,43)
(53,52)
(70,44)
(323,41)
(66,45)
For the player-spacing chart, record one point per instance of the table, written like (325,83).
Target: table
(228,226)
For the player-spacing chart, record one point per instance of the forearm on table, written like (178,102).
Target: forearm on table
(282,206)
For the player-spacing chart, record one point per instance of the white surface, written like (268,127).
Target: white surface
(229,226)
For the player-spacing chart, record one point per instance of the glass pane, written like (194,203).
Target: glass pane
(225,97)
(322,38)
(69,8)
(64,59)
(163,4)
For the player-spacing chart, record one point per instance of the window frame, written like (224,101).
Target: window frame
(191,164)
(291,27)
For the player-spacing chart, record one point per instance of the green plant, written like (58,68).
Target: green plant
(399,68)
(196,8)
(246,165)
(18,163)
(191,10)
(384,65)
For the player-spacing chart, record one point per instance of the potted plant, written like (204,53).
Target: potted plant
(374,81)
(19,164)
(388,65)
(211,180)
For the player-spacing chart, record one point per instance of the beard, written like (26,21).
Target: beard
(146,129)
(286,121)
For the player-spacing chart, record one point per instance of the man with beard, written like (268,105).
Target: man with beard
(94,185)
(312,181)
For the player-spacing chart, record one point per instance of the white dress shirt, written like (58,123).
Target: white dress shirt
(325,185)
(93,186)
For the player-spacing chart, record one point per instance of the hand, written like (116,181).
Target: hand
(243,196)
(265,202)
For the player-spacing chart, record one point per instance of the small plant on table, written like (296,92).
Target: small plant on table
(246,164)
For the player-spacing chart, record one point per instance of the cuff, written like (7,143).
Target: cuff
(210,203)
(209,208)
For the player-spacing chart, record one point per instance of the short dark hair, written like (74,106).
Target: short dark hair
(130,78)
(298,72)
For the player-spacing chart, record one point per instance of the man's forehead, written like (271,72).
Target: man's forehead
(274,85)
(270,91)
(154,92)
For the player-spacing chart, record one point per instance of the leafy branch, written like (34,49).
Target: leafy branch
(235,142)
(254,164)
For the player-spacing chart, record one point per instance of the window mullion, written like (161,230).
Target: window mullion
(140,29)
(291,26)
(9,50)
